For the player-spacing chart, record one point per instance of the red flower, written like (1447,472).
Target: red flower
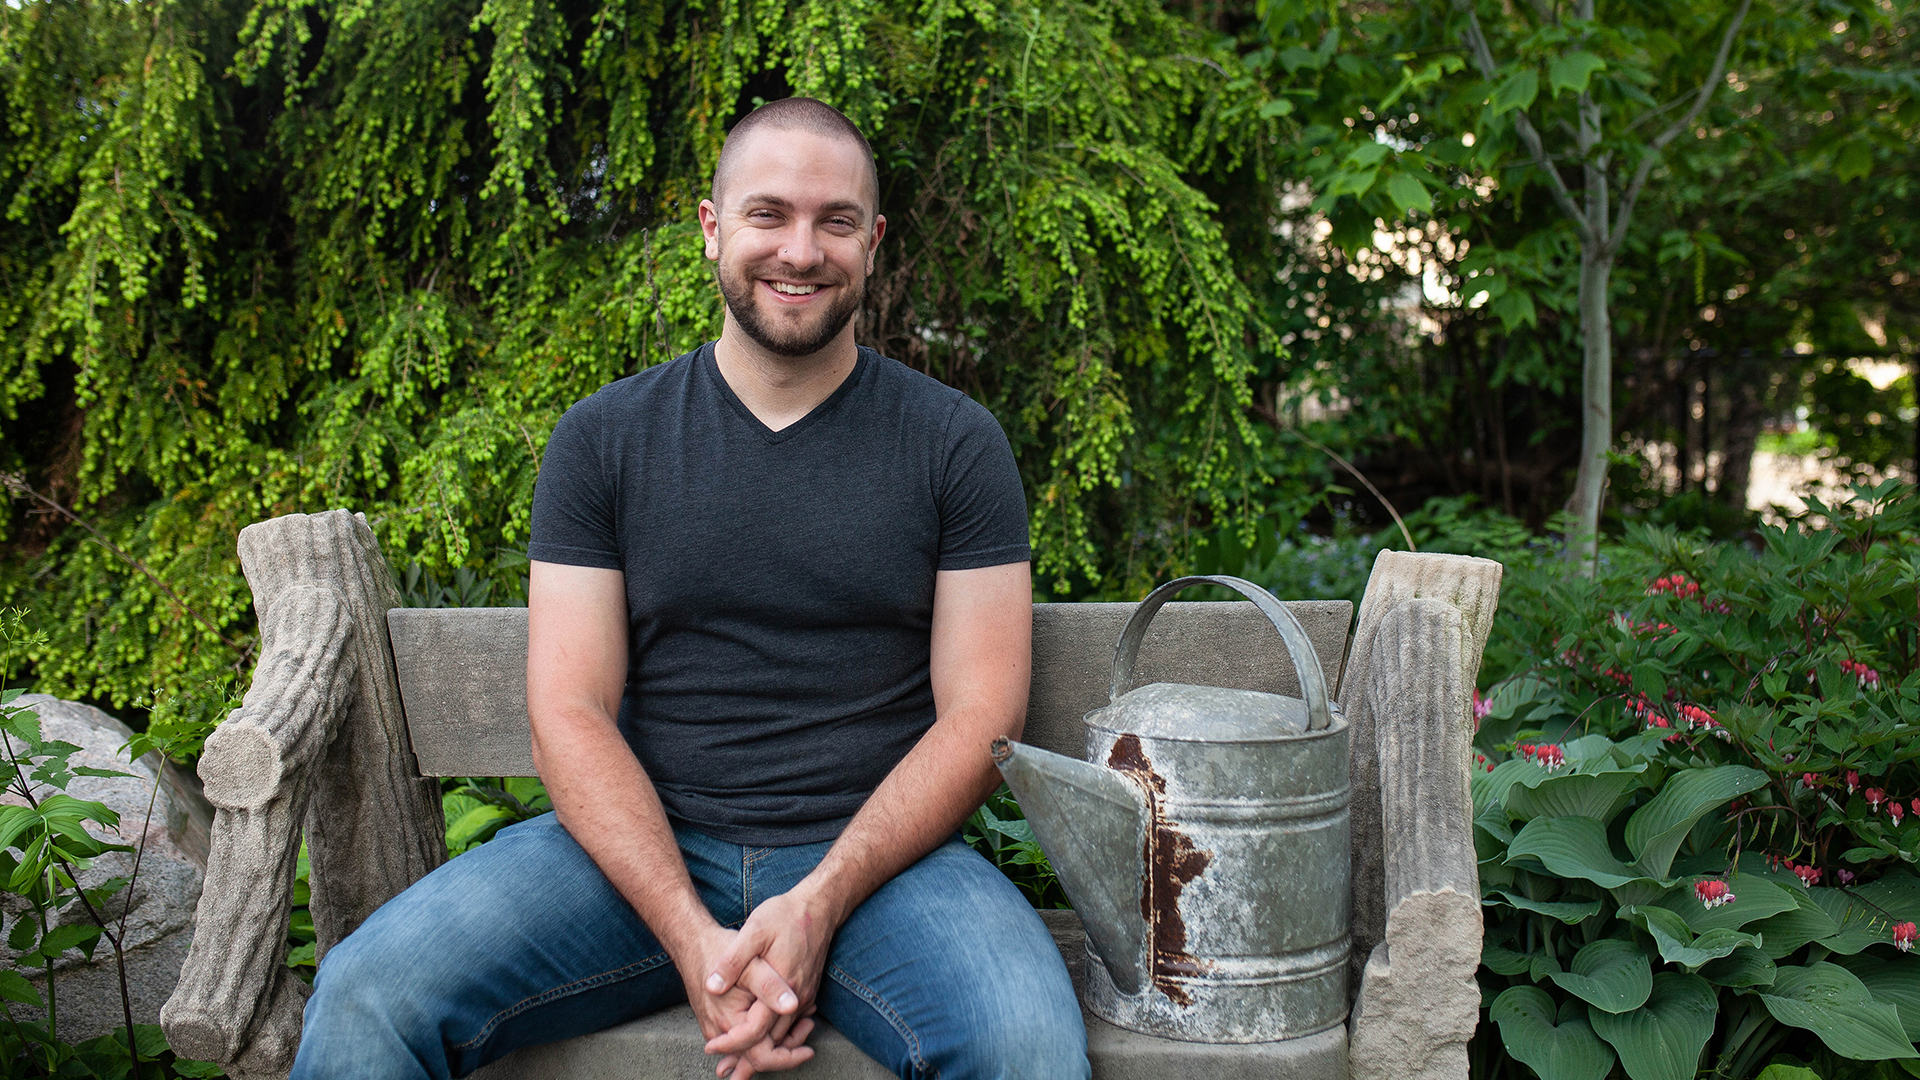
(1808,875)
(1713,893)
(1864,675)
(1916,806)
(1874,798)
(1853,781)
(1897,811)
(1810,780)
(1903,936)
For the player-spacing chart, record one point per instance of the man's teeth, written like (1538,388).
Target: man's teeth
(794,290)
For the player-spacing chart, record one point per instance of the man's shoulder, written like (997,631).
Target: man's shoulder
(917,393)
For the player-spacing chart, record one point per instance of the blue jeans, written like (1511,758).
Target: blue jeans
(944,972)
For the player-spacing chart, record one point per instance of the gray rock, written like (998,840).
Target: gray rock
(159,811)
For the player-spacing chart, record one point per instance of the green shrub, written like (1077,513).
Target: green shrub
(1697,805)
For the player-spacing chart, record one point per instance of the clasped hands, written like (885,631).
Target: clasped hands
(753,989)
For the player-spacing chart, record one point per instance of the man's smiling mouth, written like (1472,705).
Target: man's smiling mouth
(793,290)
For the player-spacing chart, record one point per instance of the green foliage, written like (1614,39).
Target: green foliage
(999,830)
(45,841)
(1701,766)
(280,257)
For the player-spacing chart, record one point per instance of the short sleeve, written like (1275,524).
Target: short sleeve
(573,500)
(983,510)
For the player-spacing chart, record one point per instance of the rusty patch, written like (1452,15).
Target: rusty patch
(1172,861)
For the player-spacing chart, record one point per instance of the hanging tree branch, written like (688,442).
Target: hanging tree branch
(1483,59)
(1660,141)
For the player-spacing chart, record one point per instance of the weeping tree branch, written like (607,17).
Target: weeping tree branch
(1483,60)
(1660,141)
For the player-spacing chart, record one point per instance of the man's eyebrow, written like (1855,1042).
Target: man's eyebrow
(838,206)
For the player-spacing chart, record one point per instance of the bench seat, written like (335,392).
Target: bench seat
(666,1046)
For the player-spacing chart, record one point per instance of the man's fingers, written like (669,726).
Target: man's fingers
(751,1029)
(768,986)
(798,1036)
(749,943)
(765,1057)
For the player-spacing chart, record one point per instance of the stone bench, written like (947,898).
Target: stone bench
(357,704)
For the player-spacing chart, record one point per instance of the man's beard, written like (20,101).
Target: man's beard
(783,340)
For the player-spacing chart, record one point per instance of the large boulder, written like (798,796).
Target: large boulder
(159,906)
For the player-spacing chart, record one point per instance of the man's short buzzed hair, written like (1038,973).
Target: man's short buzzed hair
(796,114)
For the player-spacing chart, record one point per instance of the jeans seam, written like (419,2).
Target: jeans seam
(749,857)
(638,967)
(886,1010)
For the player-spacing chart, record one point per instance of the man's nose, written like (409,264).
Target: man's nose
(799,248)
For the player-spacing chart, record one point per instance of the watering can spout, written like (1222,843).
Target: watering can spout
(1092,823)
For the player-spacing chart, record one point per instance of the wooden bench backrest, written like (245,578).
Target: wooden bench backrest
(463,671)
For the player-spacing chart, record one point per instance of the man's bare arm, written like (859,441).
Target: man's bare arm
(576,673)
(982,659)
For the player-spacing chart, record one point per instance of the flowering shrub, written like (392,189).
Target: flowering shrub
(1697,789)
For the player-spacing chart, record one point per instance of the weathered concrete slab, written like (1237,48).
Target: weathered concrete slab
(463,675)
(666,1046)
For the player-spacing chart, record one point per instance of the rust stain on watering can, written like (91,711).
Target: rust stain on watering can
(1174,862)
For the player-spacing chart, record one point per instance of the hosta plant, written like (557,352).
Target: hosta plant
(1696,806)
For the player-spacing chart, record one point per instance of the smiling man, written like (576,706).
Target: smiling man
(779,608)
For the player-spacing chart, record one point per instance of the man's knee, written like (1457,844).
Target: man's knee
(1034,1039)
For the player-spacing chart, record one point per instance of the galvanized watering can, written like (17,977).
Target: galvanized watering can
(1204,843)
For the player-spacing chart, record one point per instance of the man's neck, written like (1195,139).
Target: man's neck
(780,390)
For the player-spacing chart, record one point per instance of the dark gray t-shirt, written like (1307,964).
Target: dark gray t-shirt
(779,584)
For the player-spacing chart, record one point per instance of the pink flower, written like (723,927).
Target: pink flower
(1675,584)
(1808,875)
(1713,893)
(1853,781)
(1810,780)
(1897,811)
(1481,707)
(1903,936)
(1551,757)
(1864,675)
(1874,798)
(1846,876)
(1916,806)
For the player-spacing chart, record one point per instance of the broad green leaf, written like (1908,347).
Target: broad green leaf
(1351,182)
(1514,309)
(1572,71)
(1743,967)
(1367,155)
(1276,107)
(1854,160)
(1894,980)
(1567,911)
(1572,847)
(1755,898)
(1502,960)
(1678,944)
(14,987)
(1655,831)
(1789,930)
(1898,891)
(1594,795)
(1663,1040)
(1557,1045)
(1833,1003)
(1787,1072)
(1610,974)
(1517,91)
(1858,925)
(1408,193)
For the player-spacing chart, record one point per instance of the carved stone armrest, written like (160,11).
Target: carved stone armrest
(320,736)
(1417,923)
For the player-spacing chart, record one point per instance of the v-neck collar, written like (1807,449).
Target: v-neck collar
(712,368)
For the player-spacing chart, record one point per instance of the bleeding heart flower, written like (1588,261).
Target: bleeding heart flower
(1874,798)
(1903,936)
(1713,893)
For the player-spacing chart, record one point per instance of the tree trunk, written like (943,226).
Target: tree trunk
(1596,391)
(1739,435)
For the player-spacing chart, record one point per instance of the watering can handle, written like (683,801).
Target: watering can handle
(1313,683)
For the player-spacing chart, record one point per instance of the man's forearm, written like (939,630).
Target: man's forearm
(609,806)
(914,810)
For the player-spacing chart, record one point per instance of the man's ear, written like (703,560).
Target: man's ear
(873,242)
(710,228)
